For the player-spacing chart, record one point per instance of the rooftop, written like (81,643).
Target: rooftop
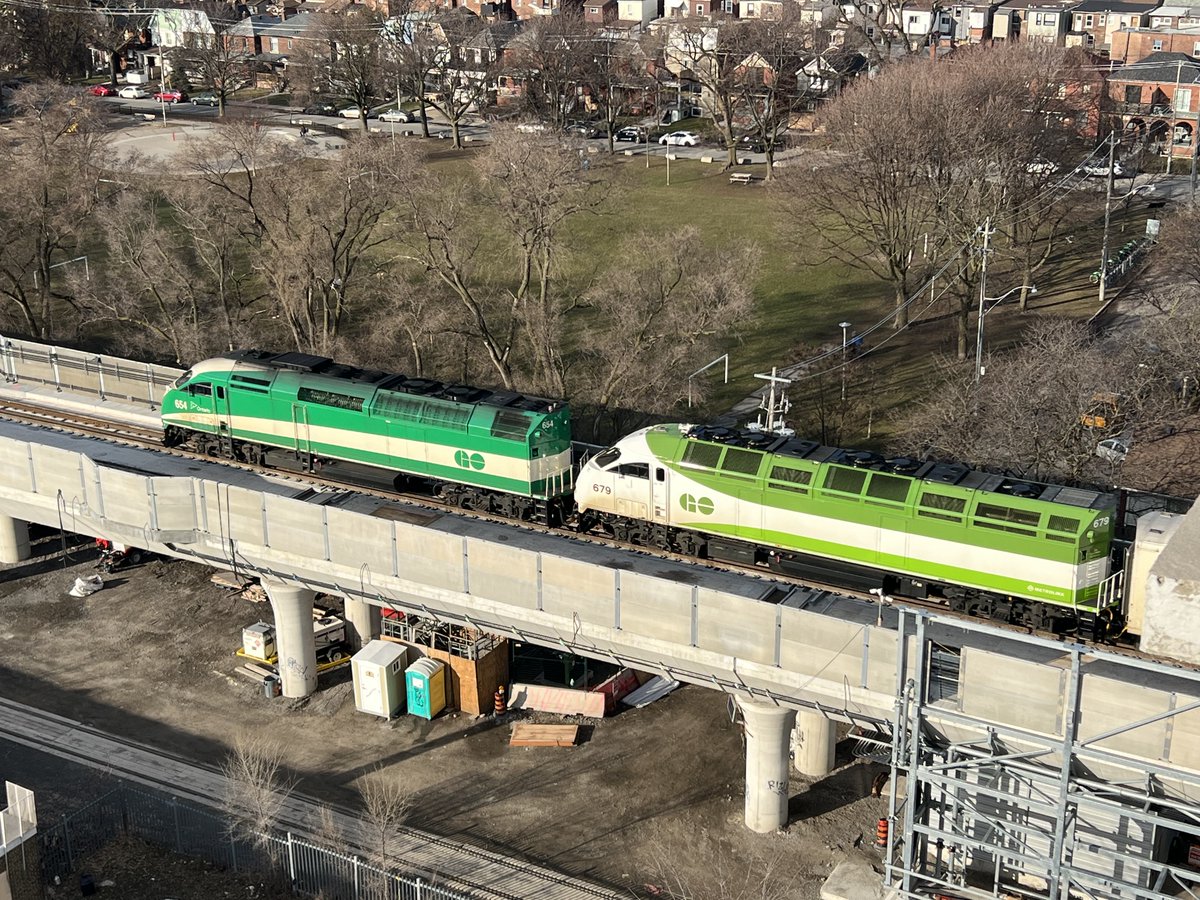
(1160,67)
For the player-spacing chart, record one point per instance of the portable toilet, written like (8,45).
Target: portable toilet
(378,678)
(426,680)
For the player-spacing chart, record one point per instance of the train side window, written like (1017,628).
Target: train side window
(220,393)
(635,470)
(997,513)
(701,454)
(741,462)
(941,506)
(200,390)
(182,379)
(660,474)
(606,458)
(785,479)
(845,480)
(891,488)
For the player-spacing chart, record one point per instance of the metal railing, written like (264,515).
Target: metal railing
(181,828)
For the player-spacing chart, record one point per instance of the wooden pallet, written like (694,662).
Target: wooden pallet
(525,735)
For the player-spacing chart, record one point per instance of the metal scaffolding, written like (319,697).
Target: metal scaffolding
(985,810)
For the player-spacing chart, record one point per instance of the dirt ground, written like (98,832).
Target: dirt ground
(651,794)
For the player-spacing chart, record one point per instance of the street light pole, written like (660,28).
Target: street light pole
(845,332)
(987,238)
(1108,191)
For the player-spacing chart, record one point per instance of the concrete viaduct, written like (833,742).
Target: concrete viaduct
(957,705)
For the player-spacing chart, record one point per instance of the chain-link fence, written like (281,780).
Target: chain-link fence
(185,829)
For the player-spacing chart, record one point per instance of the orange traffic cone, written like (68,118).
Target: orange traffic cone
(501,706)
(881,833)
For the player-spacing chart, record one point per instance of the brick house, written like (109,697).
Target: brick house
(600,12)
(1095,22)
(972,22)
(1157,99)
(1175,16)
(1046,21)
(1136,43)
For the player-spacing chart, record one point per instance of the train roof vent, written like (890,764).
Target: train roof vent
(258,356)
(461,393)
(716,433)
(861,459)
(1020,489)
(1077,497)
(758,440)
(947,473)
(419,385)
(301,362)
(797,448)
(902,465)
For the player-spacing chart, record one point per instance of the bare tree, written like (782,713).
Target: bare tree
(214,55)
(110,31)
(52,155)
(256,789)
(711,53)
(615,71)
(887,30)
(47,41)
(548,60)
(345,57)
(668,306)
(460,81)
(387,802)
(415,50)
(728,873)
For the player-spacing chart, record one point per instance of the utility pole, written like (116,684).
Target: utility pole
(1174,117)
(1108,190)
(987,231)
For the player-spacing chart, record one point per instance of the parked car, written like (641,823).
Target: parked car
(632,134)
(680,139)
(322,108)
(581,129)
(206,99)
(752,143)
(353,112)
(102,90)
(170,95)
(1113,450)
(1039,165)
(396,115)
(132,92)
(1099,169)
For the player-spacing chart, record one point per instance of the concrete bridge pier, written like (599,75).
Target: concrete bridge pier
(362,622)
(768,735)
(294,640)
(814,744)
(14,540)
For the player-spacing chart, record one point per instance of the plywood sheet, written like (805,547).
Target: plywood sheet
(526,735)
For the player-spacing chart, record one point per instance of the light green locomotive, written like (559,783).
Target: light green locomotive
(1030,553)
(479,449)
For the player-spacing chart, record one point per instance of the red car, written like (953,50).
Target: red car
(103,90)
(170,96)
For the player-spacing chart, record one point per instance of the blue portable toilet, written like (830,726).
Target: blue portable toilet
(426,687)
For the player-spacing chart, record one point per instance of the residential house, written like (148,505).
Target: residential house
(247,35)
(1157,98)
(637,12)
(754,9)
(1135,43)
(600,12)
(1046,21)
(176,27)
(686,9)
(531,9)
(1174,16)
(1094,22)
(824,76)
(923,22)
(281,37)
(972,21)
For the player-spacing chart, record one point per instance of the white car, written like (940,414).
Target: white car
(1041,166)
(132,92)
(1100,169)
(351,112)
(680,139)
(1113,450)
(396,115)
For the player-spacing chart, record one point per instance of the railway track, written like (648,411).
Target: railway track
(150,439)
(471,869)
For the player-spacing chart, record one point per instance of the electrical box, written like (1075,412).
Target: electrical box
(426,682)
(379,678)
(258,641)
